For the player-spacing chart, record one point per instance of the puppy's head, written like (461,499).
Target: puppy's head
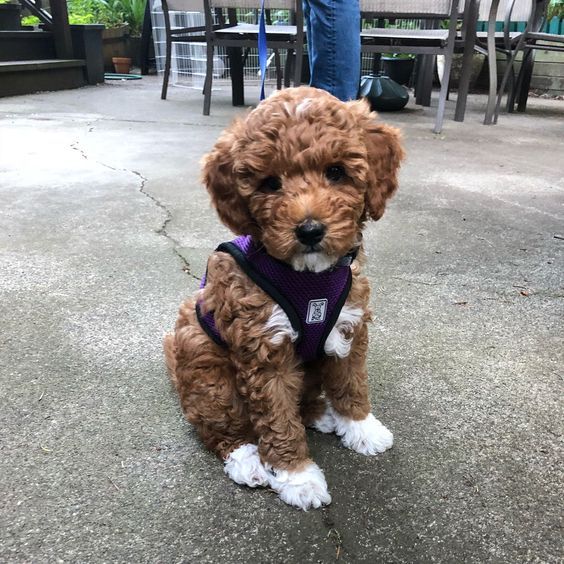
(302,173)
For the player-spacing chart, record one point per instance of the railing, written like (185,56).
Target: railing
(56,21)
(555,26)
(38,11)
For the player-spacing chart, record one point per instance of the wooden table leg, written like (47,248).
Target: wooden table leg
(235,55)
(471,16)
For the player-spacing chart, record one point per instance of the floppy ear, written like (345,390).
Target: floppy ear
(385,153)
(220,179)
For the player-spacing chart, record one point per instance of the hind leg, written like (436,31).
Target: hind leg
(314,408)
(204,379)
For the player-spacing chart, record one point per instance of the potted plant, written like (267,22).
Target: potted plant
(398,66)
(131,13)
(122,19)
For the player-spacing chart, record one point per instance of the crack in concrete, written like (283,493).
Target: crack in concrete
(168,214)
(163,229)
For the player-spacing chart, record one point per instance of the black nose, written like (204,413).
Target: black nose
(310,232)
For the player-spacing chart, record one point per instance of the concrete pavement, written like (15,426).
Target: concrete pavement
(105,228)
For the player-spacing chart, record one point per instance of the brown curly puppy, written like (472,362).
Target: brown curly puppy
(299,176)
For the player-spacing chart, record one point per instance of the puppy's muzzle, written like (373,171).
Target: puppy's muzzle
(310,232)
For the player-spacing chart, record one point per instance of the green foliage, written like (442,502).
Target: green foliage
(555,9)
(131,12)
(402,56)
(30,20)
(93,12)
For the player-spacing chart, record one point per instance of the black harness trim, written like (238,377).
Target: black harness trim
(207,329)
(334,316)
(265,285)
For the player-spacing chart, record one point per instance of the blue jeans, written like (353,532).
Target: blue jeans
(333,42)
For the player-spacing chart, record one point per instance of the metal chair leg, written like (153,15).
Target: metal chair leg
(299,57)
(469,42)
(508,71)
(511,88)
(288,67)
(492,63)
(424,83)
(278,69)
(525,80)
(443,94)
(208,79)
(167,68)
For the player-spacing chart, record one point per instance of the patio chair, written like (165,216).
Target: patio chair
(434,41)
(490,43)
(234,36)
(530,40)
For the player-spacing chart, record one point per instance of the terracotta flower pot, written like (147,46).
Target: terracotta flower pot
(122,64)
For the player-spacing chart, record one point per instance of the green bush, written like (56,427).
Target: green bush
(30,20)
(555,9)
(131,12)
(98,11)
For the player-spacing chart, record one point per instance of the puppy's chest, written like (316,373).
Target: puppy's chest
(309,307)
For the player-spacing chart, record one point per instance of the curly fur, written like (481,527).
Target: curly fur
(257,391)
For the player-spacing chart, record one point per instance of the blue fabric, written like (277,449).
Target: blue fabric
(333,41)
(262,50)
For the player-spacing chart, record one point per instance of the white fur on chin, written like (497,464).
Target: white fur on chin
(279,323)
(313,262)
(337,343)
(367,436)
(305,489)
(244,467)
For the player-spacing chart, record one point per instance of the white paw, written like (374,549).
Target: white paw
(304,489)
(368,436)
(243,466)
(325,423)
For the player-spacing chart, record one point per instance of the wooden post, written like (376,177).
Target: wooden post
(61,29)
(146,35)
(235,55)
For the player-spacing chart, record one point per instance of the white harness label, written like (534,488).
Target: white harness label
(316,311)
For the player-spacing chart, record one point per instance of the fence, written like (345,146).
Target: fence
(189,60)
(555,26)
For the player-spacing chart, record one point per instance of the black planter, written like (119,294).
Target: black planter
(383,93)
(399,70)
(10,17)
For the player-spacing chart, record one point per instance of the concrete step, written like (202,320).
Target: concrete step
(24,77)
(26,45)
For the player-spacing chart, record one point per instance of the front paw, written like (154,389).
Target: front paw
(367,436)
(243,466)
(304,489)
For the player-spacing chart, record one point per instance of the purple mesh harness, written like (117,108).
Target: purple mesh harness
(312,301)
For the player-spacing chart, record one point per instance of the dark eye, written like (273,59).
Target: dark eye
(335,173)
(270,184)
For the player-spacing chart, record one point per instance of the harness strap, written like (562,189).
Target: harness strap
(264,283)
(308,349)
